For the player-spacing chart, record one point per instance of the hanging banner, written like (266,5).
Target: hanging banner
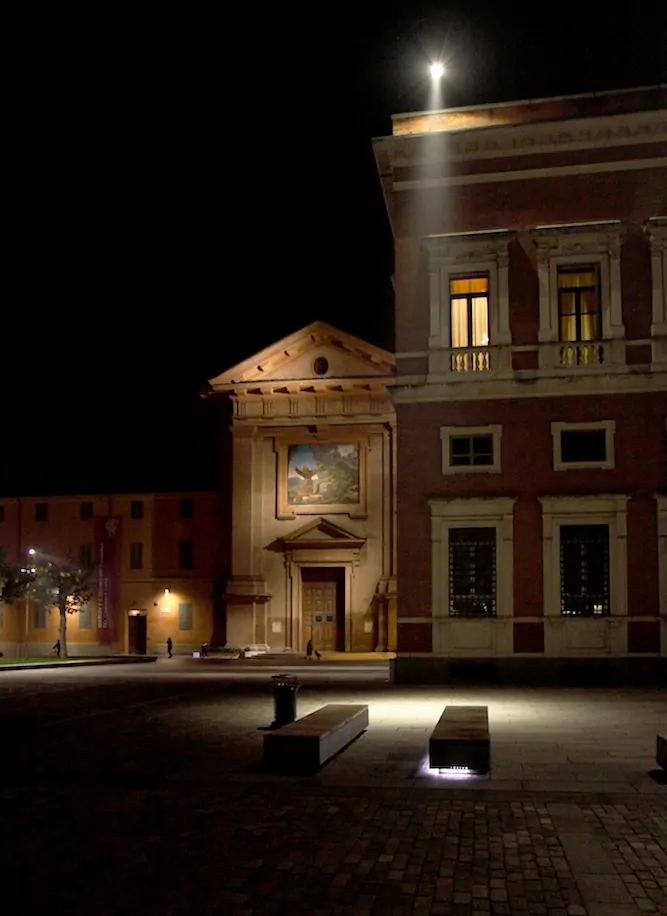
(107,559)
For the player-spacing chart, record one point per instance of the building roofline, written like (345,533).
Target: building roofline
(536,101)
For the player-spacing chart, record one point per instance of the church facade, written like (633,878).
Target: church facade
(313,547)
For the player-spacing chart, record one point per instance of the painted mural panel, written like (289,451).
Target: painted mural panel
(323,474)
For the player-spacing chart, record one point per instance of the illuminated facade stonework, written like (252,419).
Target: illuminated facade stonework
(313,504)
(531,385)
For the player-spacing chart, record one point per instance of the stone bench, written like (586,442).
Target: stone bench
(461,739)
(661,751)
(309,742)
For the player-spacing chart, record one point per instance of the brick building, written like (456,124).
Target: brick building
(531,390)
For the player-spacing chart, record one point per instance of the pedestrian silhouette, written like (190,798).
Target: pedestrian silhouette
(57,648)
(170,646)
(310,650)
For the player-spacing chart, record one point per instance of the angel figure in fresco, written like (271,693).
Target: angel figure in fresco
(307,487)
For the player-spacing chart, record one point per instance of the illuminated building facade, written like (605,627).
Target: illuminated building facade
(531,389)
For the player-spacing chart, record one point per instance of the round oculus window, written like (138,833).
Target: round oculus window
(321,366)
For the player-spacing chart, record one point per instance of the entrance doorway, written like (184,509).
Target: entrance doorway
(136,632)
(323,606)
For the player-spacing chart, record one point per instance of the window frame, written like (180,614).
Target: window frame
(560,511)
(181,546)
(38,512)
(449,432)
(88,616)
(561,541)
(565,269)
(451,596)
(140,508)
(86,510)
(557,428)
(577,245)
(468,297)
(190,606)
(133,550)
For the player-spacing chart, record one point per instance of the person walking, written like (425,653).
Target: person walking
(310,649)
(170,646)
(57,648)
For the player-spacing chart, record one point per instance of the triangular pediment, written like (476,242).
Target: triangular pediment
(317,352)
(321,532)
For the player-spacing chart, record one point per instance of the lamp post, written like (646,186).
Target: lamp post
(28,570)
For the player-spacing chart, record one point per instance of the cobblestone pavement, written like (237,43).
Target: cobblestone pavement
(126,794)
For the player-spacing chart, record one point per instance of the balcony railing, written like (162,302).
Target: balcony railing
(470,359)
(582,353)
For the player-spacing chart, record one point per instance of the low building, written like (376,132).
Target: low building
(531,389)
(156,557)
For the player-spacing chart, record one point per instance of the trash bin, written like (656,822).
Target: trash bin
(285,688)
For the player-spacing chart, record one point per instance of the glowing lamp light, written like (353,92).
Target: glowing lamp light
(166,592)
(436,70)
(32,552)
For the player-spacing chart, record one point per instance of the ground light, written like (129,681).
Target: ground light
(437,70)
(446,772)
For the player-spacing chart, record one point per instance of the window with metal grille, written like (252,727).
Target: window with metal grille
(584,570)
(580,445)
(472,572)
(136,555)
(86,555)
(578,302)
(184,616)
(470,450)
(85,617)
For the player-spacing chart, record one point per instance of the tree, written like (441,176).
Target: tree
(14,580)
(62,584)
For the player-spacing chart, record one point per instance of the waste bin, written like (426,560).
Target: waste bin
(285,688)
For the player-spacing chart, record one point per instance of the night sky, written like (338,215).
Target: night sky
(191,189)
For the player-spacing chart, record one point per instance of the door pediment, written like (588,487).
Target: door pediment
(321,534)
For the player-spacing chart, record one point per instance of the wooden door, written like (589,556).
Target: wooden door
(319,606)
(137,634)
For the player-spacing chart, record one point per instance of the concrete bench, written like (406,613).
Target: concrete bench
(309,742)
(461,739)
(661,751)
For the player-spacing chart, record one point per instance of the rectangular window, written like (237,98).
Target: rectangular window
(136,556)
(41,512)
(187,507)
(86,555)
(184,616)
(582,445)
(39,617)
(137,508)
(85,617)
(2,513)
(584,570)
(579,303)
(472,572)
(86,510)
(469,303)
(470,450)
(186,555)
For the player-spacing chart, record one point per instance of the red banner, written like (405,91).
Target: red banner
(107,558)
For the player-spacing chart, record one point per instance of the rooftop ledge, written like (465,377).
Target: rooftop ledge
(527,111)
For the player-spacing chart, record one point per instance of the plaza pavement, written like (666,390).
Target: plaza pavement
(149,785)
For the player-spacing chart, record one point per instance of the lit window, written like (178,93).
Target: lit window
(469,302)
(579,303)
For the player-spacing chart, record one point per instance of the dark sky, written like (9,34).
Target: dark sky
(192,188)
